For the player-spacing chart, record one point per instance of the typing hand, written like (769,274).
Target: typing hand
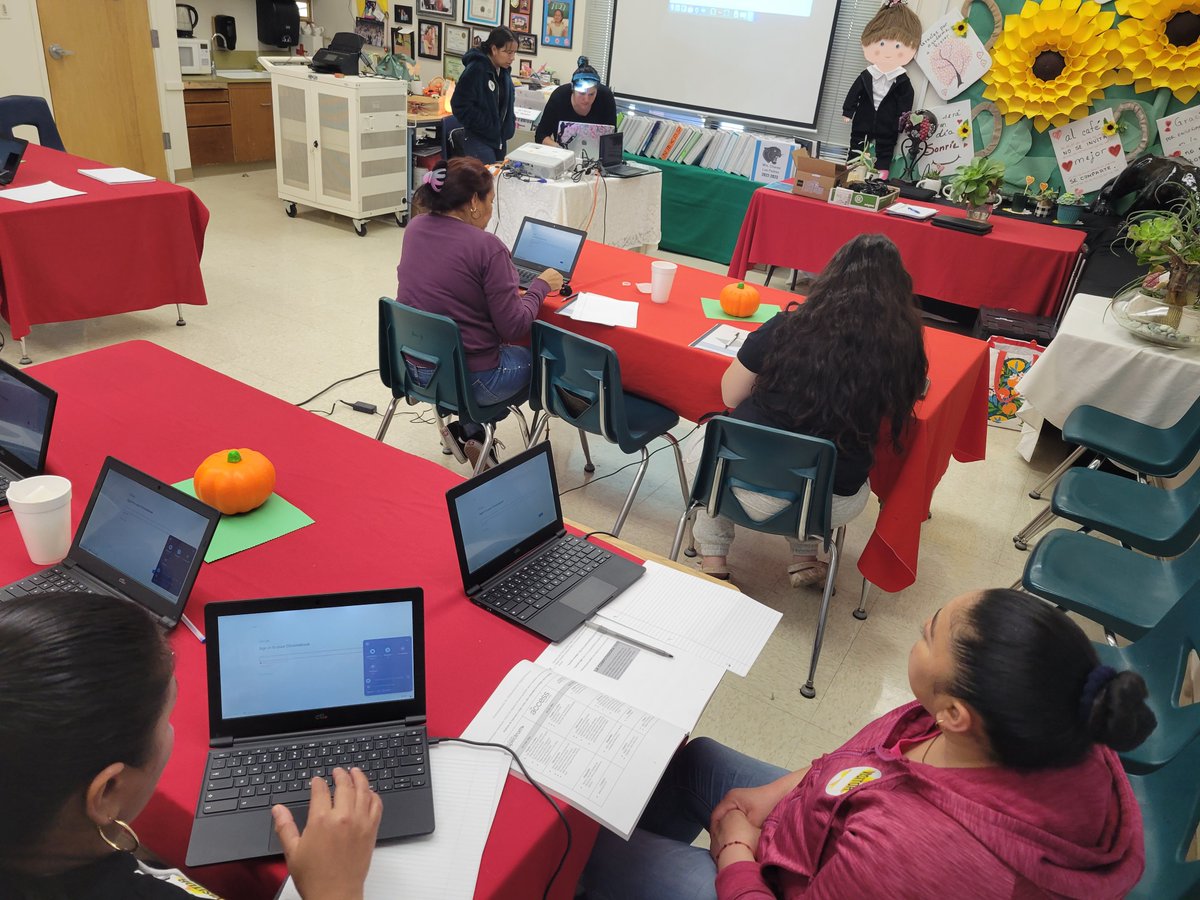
(330,860)
(552,278)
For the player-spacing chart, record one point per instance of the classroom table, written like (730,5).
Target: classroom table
(1020,265)
(658,364)
(117,248)
(381,522)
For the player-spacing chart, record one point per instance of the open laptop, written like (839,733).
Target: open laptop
(542,245)
(517,559)
(139,539)
(583,138)
(11,151)
(612,160)
(298,686)
(26,413)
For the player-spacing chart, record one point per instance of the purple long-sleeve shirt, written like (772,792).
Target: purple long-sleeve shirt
(450,267)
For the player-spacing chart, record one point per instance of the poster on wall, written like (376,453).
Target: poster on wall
(952,56)
(950,147)
(1089,152)
(558,20)
(1180,134)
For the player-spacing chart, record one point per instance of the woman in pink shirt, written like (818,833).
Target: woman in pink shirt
(999,781)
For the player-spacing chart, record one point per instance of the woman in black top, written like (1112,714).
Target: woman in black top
(838,366)
(584,99)
(483,101)
(87,686)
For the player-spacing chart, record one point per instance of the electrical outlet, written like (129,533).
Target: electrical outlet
(4,11)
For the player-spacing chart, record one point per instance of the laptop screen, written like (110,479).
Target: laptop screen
(541,245)
(25,412)
(612,148)
(11,151)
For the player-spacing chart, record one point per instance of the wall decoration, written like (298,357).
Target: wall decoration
(558,21)
(952,56)
(950,146)
(519,23)
(458,39)
(478,36)
(1143,124)
(402,43)
(997,20)
(430,44)
(1159,46)
(987,106)
(525,70)
(521,6)
(1181,134)
(1088,151)
(452,67)
(441,9)
(527,44)
(482,12)
(1052,60)
(402,15)
(370,30)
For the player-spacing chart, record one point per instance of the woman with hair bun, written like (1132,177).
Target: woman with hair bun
(999,781)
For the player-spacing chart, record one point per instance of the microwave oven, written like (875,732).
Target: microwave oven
(195,56)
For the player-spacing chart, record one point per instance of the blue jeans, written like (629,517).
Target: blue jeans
(489,386)
(473,146)
(658,862)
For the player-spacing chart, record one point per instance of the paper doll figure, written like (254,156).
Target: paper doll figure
(882,93)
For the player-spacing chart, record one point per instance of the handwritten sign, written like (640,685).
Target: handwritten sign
(952,56)
(950,148)
(1089,152)
(1180,134)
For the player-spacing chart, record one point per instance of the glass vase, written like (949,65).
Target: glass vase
(1169,317)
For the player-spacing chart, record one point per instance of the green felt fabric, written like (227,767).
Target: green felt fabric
(712,310)
(273,519)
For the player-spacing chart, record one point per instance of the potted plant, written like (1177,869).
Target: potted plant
(976,185)
(932,179)
(1070,208)
(1046,196)
(861,166)
(1019,203)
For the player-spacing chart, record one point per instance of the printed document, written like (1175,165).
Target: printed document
(604,310)
(39,193)
(118,175)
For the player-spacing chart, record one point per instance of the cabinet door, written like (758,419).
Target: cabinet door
(336,185)
(253,124)
(293,157)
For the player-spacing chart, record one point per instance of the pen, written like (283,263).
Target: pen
(628,640)
(193,629)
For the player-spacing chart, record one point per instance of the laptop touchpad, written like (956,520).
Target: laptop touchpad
(588,595)
(299,814)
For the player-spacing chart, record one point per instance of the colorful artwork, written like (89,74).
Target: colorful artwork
(558,20)
(430,46)
(519,22)
(1180,134)
(952,56)
(440,9)
(1010,361)
(1089,152)
(370,30)
(950,146)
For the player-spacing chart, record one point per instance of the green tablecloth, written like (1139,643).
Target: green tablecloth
(702,210)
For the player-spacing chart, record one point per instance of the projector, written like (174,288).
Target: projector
(541,161)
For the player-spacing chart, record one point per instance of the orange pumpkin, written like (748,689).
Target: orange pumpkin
(235,481)
(740,300)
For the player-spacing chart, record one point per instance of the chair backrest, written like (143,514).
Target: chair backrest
(793,467)
(452,138)
(18,110)
(1169,799)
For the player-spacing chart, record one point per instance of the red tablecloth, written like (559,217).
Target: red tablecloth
(380,522)
(657,363)
(1018,265)
(118,248)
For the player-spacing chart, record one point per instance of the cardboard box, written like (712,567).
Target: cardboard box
(850,197)
(419,105)
(816,177)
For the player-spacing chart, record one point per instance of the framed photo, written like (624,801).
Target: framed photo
(478,36)
(370,30)
(526,69)
(402,44)
(441,9)
(525,7)
(482,12)
(519,23)
(458,39)
(402,15)
(452,67)
(558,21)
(527,44)
(429,44)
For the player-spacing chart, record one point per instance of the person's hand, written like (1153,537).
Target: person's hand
(330,860)
(549,141)
(552,278)
(846,119)
(734,839)
(756,803)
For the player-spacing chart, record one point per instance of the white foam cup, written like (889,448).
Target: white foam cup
(662,276)
(42,507)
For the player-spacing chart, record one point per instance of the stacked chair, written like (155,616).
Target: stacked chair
(18,110)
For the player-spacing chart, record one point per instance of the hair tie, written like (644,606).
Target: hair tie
(435,178)
(1096,681)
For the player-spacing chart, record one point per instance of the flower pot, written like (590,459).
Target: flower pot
(1018,203)
(980,213)
(931,184)
(1044,208)
(1069,215)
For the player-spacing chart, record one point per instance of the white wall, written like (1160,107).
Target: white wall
(22,69)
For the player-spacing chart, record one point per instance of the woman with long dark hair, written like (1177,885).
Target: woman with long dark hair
(838,366)
(999,781)
(484,100)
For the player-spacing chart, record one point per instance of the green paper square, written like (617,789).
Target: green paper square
(273,519)
(712,310)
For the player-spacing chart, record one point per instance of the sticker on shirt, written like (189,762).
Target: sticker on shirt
(848,779)
(491,85)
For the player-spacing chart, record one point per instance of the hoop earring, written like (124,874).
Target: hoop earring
(124,826)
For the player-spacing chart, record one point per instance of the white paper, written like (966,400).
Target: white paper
(602,756)
(685,613)
(39,193)
(676,690)
(950,61)
(948,149)
(1180,133)
(118,175)
(724,339)
(467,784)
(910,211)
(604,310)
(1087,157)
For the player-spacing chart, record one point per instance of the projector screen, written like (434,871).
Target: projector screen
(754,59)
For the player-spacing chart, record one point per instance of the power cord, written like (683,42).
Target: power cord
(335,384)
(358,406)
(562,818)
(636,462)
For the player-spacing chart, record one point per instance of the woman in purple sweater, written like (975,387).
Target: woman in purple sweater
(998,782)
(450,265)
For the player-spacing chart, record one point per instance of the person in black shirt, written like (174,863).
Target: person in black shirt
(483,101)
(87,685)
(838,366)
(584,99)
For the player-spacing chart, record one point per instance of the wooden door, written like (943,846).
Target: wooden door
(104,90)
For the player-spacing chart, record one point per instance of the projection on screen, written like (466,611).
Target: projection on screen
(754,59)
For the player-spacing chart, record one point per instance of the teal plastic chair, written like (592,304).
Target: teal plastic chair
(793,467)
(578,380)
(1169,798)
(434,342)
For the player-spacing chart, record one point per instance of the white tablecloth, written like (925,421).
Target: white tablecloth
(627,212)
(1094,361)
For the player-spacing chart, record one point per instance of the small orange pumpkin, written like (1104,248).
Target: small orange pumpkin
(739,300)
(235,481)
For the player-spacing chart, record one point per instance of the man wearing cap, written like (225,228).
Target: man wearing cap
(584,99)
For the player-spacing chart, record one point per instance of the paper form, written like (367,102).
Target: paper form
(604,310)
(724,339)
(39,193)
(686,614)
(118,175)
(467,784)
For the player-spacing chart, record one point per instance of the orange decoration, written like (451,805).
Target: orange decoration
(235,481)
(739,300)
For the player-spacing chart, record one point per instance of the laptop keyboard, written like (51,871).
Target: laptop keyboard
(53,579)
(525,276)
(543,580)
(4,483)
(251,778)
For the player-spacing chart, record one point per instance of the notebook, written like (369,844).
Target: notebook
(612,159)
(26,414)
(11,151)
(298,686)
(583,138)
(139,539)
(544,245)
(514,553)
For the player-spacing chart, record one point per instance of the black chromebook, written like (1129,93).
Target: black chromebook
(26,414)
(298,686)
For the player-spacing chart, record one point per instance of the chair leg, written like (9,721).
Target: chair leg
(449,444)
(637,483)
(525,433)
(770,273)
(683,485)
(1041,520)
(861,612)
(688,512)
(808,690)
(25,360)
(1052,478)
(179,315)
(387,419)
(587,455)
(795,278)
(489,440)
(839,539)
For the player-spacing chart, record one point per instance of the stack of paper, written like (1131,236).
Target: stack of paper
(39,193)
(602,310)
(118,175)
(724,339)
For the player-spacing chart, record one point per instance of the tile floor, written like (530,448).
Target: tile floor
(293,308)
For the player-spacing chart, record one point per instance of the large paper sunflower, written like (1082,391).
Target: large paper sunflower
(1052,60)
(1160,45)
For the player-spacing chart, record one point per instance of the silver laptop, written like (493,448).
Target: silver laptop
(583,138)
(542,245)
(26,414)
